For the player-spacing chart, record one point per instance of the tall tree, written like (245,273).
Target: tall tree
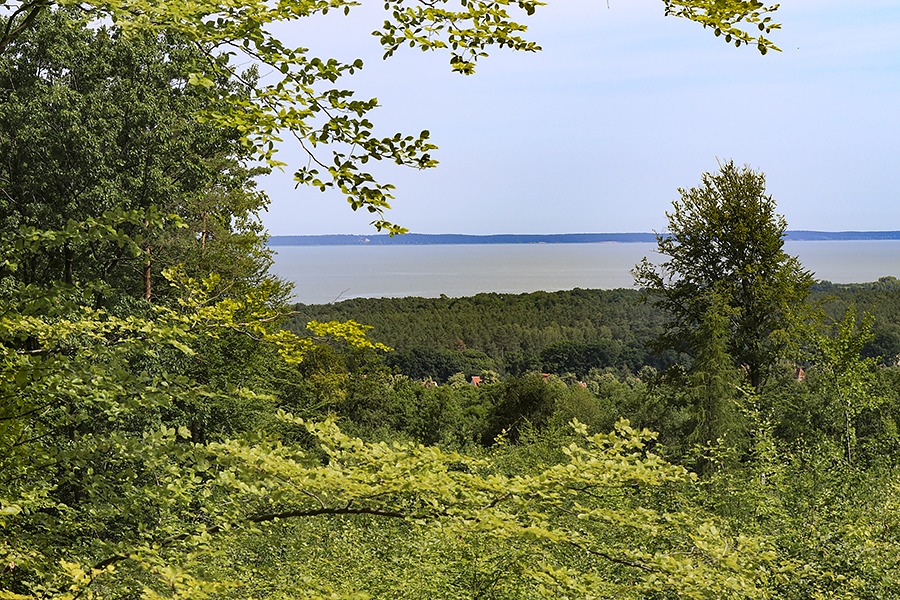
(99,129)
(846,379)
(717,418)
(725,237)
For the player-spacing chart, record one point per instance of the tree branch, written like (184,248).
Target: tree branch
(11,33)
(264,518)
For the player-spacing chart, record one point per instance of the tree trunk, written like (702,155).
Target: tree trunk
(69,257)
(848,432)
(148,290)
(203,234)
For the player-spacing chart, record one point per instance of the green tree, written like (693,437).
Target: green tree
(521,403)
(99,448)
(110,488)
(99,130)
(713,383)
(724,237)
(848,380)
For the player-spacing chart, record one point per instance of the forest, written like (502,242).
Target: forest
(171,426)
(571,331)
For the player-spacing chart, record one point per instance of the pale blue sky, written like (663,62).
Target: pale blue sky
(621,108)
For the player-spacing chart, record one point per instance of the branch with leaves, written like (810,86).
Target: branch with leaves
(303,102)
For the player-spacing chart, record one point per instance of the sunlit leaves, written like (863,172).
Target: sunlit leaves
(737,21)
(99,445)
(574,524)
(847,378)
(467,31)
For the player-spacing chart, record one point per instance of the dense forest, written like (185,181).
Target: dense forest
(170,427)
(510,334)
(567,332)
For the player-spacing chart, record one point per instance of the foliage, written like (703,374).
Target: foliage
(555,332)
(725,239)
(713,382)
(95,464)
(111,489)
(847,379)
(523,402)
(439,364)
(575,528)
(107,174)
(878,298)
(171,440)
(106,495)
(726,18)
(834,522)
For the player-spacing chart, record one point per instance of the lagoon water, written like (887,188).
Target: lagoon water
(323,274)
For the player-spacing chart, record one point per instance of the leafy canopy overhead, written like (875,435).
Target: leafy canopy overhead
(301,97)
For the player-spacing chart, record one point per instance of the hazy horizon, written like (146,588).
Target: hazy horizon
(326,273)
(573,233)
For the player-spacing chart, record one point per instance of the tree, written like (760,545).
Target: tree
(724,238)
(98,458)
(848,379)
(713,384)
(99,129)
(301,99)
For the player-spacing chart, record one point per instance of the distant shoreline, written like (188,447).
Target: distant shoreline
(427,239)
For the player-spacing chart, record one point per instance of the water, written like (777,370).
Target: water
(329,273)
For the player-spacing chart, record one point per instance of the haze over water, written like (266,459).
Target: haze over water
(325,274)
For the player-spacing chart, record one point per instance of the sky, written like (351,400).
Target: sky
(622,107)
